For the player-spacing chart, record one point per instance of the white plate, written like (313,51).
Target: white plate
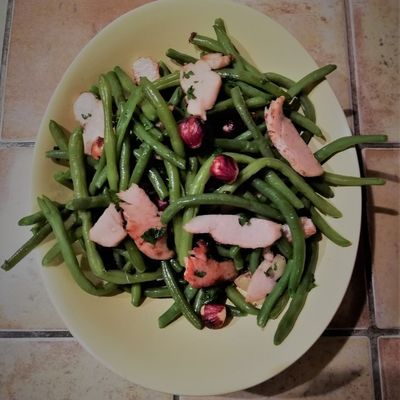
(181,359)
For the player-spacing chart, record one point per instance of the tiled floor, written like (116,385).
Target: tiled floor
(358,355)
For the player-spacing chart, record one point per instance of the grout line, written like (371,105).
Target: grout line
(7,145)
(34,334)
(4,57)
(352,66)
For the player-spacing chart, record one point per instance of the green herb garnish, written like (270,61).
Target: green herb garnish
(153,234)
(188,74)
(190,93)
(86,116)
(244,219)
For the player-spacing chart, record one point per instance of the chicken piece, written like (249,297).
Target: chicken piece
(288,142)
(108,231)
(307,225)
(264,277)
(202,271)
(142,218)
(88,111)
(145,67)
(201,86)
(226,229)
(217,60)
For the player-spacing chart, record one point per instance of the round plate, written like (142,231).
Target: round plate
(180,359)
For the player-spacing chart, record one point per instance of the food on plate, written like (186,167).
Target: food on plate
(194,180)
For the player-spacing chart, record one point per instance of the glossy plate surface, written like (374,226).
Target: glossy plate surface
(180,359)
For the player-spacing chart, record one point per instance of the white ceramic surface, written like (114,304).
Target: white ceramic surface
(180,359)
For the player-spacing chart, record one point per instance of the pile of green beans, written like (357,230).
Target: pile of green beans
(143,146)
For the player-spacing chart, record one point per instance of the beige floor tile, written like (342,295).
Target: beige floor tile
(61,369)
(334,368)
(46,35)
(24,303)
(389,356)
(320,26)
(385,234)
(353,311)
(377,44)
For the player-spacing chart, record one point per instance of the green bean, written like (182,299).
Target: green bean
(274,296)
(179,298)
(85,203)
(244,113)
(310,79)
(344,180)
(251,103)
(322,188)
(165,116)
(251,91)
(280,305)
(59,136)
(63,178)
(179,57)
(254,259)
(294,224)
(54,252)
(54,219)
(124,80)
(237,145)
(127,110)
(125,165)
(226,44)
(238,300)
(193,169)
(134,255)
(176,96)
(94,90)
(327,230)
(235,312)
(277,183)
(288,320)
(164,70)
(148,125)
(284,247)
(306,123)
(344,143)
(157,183)
(239,61)
(57,154)
(36,217)
(259,82)
(116,89)
(239,158)
(198,184)
(162,150)
(168,81)
(279,79)
(110,141)
(97,179)
(174,188)
(218,199)
(27,247)
(157,292)
(246,135)
(174,311)
(205,42)
(301,185)
(176,266)
(237,258)
(136,294)
(141,164)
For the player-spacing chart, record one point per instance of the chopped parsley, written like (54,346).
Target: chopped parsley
(152,234)
(200,274)
(269,273)
(86,116)
(190,93)
(188,74)
(244,219)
